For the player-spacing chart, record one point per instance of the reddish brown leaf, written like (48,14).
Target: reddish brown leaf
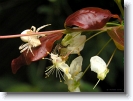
(117,34)
(17,63)
(89,18)
(39,52)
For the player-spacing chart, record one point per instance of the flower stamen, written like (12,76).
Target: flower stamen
(49,71)
(60,66)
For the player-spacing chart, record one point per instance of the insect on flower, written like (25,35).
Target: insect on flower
(32,41)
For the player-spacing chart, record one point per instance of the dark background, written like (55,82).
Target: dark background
(18,15)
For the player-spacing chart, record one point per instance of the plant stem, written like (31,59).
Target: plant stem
(104,47)
(118,2)
(110,23)
(96,84)
(111,57)
(94,35)
(44,33)
(33,33)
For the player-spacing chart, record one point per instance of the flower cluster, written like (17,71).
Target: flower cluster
(72,73)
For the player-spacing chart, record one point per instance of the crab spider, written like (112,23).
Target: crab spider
(31,41)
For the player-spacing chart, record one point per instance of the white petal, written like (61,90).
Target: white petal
(66,69)
(75,66)
(77,44)
(78,76)
(97,64)
(76,90)
(73,86)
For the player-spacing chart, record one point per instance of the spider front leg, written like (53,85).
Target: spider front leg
(23,47)
(33,28)
(38,29)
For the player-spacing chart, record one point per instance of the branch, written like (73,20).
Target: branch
(33,33)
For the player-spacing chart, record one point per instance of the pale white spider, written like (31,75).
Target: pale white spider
(31,41)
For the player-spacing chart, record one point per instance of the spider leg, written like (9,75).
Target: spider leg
(20,47)
(31,51)
(29,48)
(38,29)
(42,27)
(23,46)
(34,28)
(24,49)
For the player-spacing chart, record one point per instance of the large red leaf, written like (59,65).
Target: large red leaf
(117,34)
(89,18)
(39,52)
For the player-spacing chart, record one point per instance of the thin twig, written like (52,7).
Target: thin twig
(33,33)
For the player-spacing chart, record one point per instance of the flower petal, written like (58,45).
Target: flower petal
(97,64)
(78,76)
(75,42)
(75,66)
(65,68)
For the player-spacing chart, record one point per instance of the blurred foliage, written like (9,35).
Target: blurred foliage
(18,15)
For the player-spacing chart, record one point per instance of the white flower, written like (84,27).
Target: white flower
(75,42)
(60,66)
(75,71)
(99,66)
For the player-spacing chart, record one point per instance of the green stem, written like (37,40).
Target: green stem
(118,2)
(111,57)
(95,35)
(97,54)
(110,23)
(104,47)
